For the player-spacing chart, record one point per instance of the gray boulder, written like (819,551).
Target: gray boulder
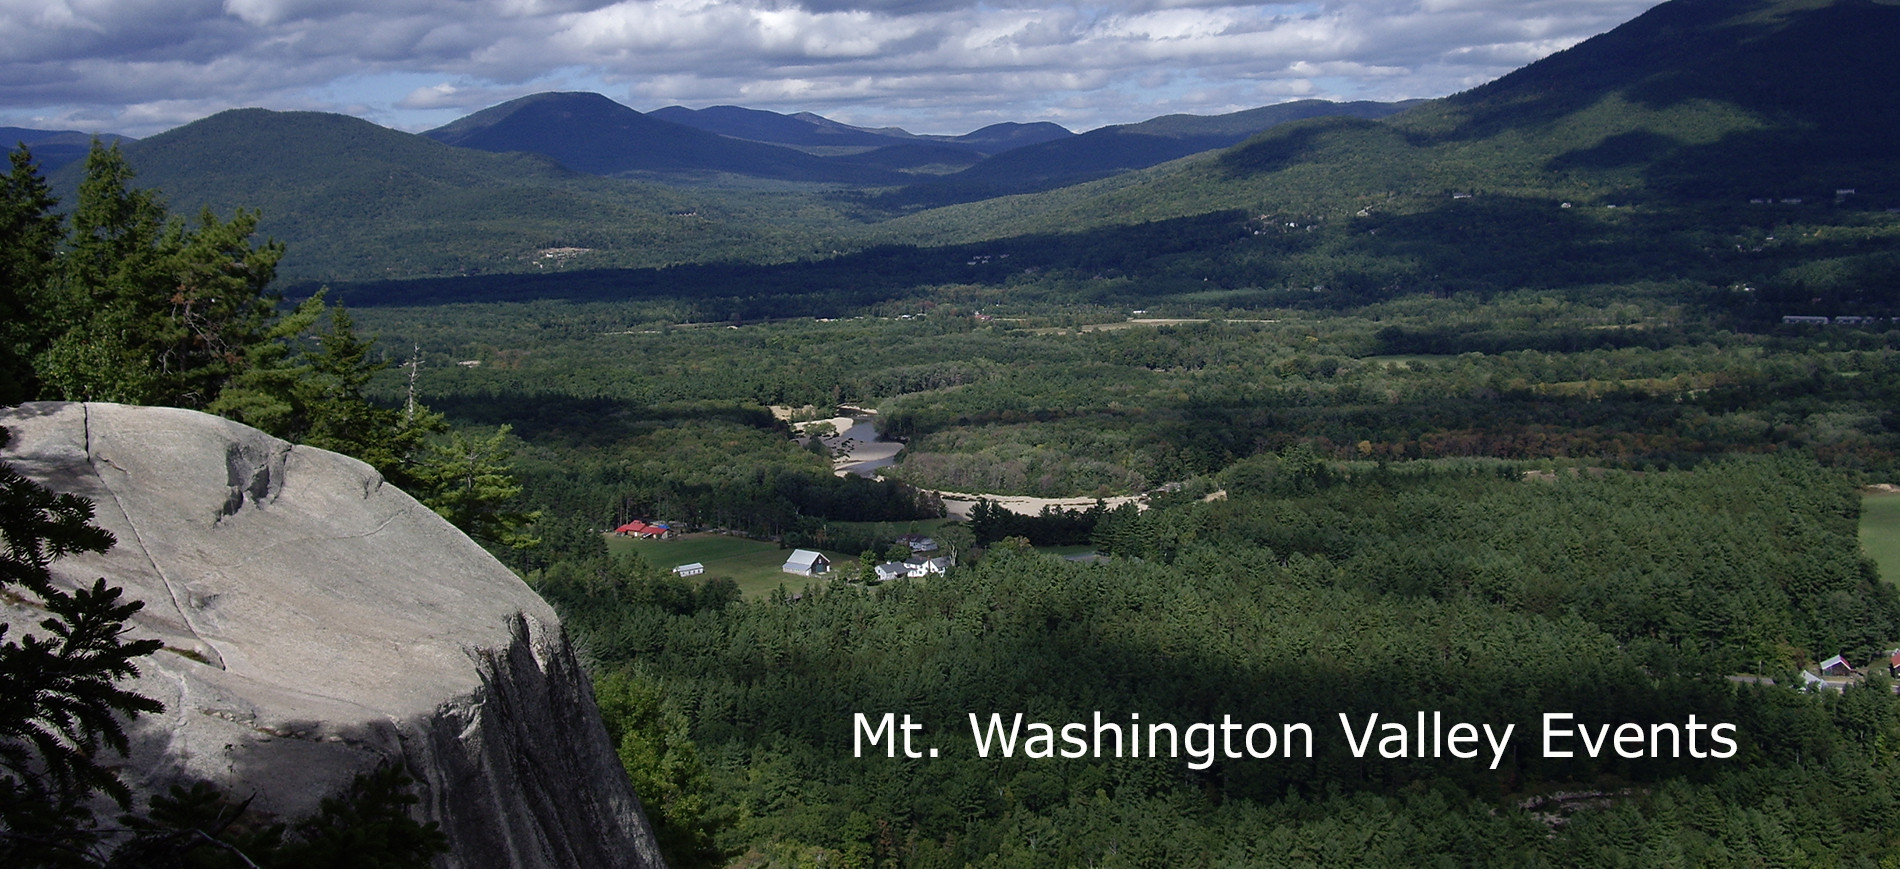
(317,622)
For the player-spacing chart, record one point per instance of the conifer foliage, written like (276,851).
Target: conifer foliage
(61,703)
(130,304)
(144,308)
(134,306)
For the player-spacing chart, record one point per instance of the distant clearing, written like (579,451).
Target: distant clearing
(1880,531)
(1404,360)
(753,564)
(1124,324)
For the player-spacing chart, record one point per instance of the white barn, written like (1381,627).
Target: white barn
(807,562)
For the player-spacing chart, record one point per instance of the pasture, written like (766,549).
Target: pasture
(753,564)
(1880,532)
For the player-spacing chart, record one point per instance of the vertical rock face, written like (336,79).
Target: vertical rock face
(318,622)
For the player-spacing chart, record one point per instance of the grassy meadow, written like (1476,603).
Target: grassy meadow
(1880,532)
(753,564)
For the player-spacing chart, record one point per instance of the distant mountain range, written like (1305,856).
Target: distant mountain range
(54,148)
(806,130)
(580,172)
(590,133)
(1103,152)
(593,134)
(354,200)
(1697,103)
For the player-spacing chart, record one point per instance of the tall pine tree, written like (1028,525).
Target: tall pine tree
(30,233)
(146,309)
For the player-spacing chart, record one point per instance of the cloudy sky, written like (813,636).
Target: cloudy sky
(932,66)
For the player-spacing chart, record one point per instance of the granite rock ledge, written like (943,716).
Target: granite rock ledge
(317,622)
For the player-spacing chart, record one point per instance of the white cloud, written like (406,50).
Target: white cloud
(936,65)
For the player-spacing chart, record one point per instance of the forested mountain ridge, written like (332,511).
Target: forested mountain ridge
(55,148)
(1120,148)
(590,133)
(354,200)
(1699,100)
(593,134)
(1734,145)
(807,130)
(1690,141)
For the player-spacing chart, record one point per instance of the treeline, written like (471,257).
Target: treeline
(838,286)
(122,301)
(1313,590)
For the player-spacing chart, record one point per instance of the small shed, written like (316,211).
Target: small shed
(1836,666)
(807,562)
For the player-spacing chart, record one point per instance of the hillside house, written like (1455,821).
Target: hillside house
(891,570)
(693,569)
(918,543)
(1836,666)
(917,568)
(807,562)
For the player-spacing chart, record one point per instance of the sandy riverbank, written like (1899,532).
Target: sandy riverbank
(957,505)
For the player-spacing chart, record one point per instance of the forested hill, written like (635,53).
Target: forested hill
(1737,147)
(806,130)
(1120,148)
(54,148)
(1814,89)
(1697,101)
(354,201)
(593,134)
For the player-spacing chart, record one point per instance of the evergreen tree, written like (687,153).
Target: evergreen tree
(61,708)
(146,309)
(30,233)
(318,397)
(468,480)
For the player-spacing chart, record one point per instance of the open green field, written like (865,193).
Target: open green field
(1880,532)
(753,564)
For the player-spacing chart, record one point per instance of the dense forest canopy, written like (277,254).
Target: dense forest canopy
(1487,598)
(1489,508)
